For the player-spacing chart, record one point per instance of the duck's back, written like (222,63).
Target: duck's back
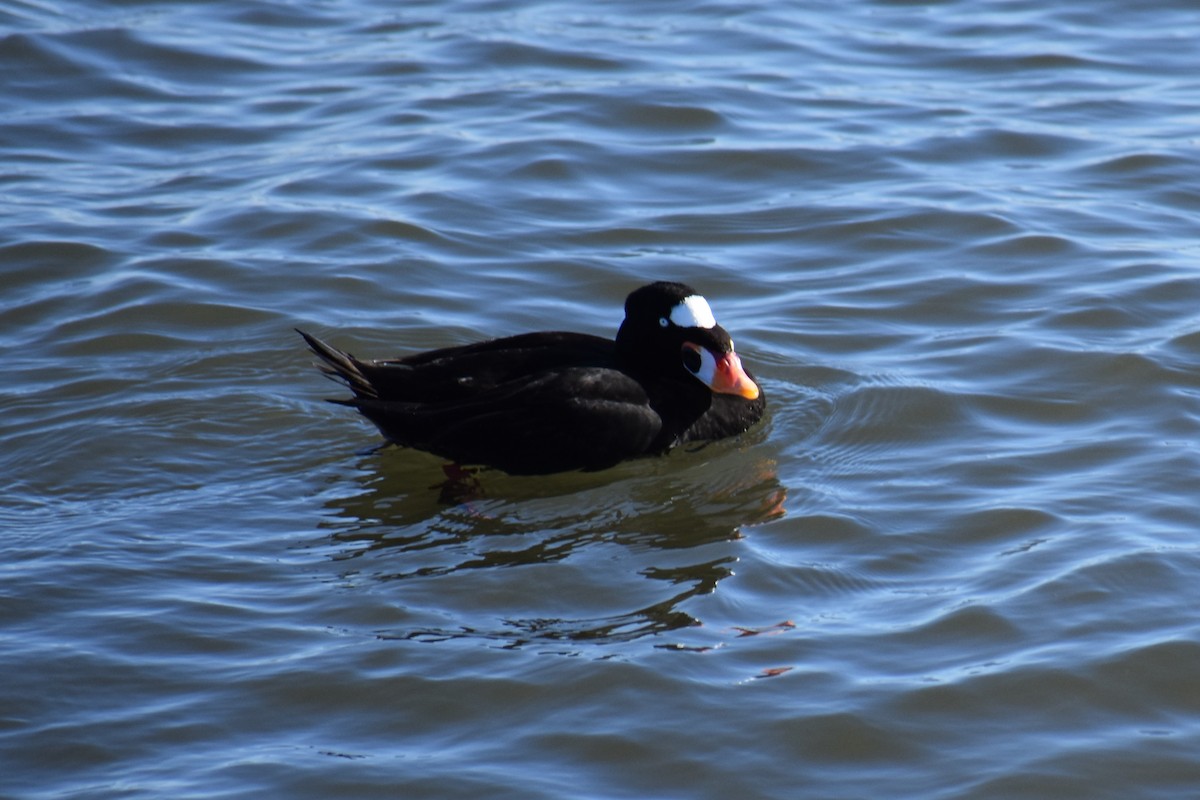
(456,374)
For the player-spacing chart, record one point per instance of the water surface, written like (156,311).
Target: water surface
(955,241)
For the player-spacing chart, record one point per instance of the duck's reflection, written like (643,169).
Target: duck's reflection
(603,557)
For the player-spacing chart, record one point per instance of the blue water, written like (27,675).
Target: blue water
(956,241)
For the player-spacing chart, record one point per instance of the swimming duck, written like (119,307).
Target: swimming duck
(539,403)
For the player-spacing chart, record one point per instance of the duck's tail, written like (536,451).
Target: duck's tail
(342,367)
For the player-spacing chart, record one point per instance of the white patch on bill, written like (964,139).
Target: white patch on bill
(693,312)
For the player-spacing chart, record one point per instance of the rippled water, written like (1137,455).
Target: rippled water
(957,242)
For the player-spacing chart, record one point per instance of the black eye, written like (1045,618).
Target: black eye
(663,322)
(691,360)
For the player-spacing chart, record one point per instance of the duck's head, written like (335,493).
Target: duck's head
(670,328)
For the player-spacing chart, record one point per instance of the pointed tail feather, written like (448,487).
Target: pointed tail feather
(340,366)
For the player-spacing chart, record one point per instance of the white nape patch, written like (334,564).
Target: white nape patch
(693,312)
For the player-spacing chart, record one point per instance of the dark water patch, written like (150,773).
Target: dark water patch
(979,631)
(1144,167)
(882,415)
(667,118)
(1005,531)
(54,260)
(1149,176)
(257,16)
(524,56)
(1186,345)
(88,53)
(998,144)
(1030,245)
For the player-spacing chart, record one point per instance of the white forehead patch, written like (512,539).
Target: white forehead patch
(693,312)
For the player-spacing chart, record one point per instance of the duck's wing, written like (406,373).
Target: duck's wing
(578,418)
(530,404)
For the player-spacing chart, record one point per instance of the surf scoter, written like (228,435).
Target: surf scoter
(549,402)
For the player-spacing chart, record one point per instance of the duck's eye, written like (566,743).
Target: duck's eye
(691,360)
(663,322)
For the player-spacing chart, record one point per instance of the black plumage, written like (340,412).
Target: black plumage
(548,402)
